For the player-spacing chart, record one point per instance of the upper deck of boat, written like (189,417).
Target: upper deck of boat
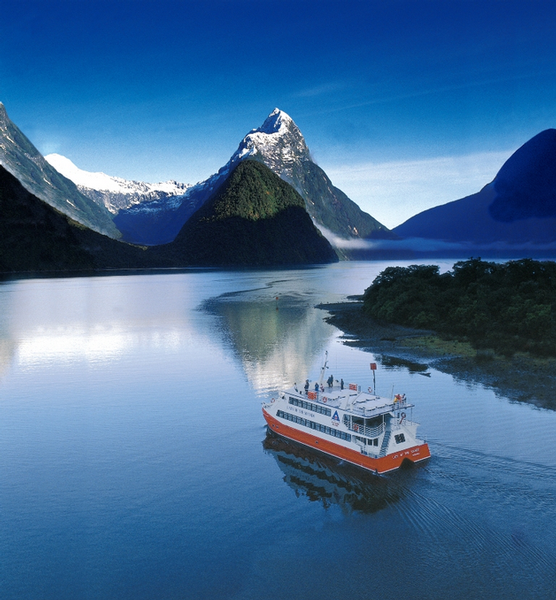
(349,398)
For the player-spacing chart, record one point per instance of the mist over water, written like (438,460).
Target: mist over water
(135,462)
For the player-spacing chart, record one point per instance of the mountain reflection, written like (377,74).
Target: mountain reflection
(277,341)
(326,480)
(7,352)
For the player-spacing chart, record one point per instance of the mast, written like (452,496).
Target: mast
(323,368)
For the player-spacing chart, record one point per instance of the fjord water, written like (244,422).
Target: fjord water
(135,463)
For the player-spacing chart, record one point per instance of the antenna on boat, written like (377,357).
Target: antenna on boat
(324,367)
(373,369)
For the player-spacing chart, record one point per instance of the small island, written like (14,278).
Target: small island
(489,322)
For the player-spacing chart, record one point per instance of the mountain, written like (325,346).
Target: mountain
(278,144)
(254,218)
(145,213)
(24,161)
(153,214)
(517,208)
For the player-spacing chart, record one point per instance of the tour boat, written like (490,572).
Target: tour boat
(342,420)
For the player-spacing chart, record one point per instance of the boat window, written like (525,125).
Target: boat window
(310,406)
(400,438)
(312,425)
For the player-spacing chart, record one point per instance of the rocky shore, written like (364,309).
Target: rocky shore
(522,378)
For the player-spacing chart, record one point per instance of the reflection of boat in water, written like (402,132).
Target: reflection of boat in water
(359,427)
(324,479)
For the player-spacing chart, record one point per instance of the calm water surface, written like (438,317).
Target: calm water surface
(134,460)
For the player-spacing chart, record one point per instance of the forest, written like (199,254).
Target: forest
(504,307)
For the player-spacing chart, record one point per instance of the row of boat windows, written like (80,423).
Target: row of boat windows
(310,406)
(311,424)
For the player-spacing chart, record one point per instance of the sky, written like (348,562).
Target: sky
(406,104)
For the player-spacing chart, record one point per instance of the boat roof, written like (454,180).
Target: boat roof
(355,401)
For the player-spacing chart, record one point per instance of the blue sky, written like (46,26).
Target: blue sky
(406,104)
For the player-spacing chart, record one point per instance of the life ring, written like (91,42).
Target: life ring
(355,427)
(324,399)
(402,418)
(370,390)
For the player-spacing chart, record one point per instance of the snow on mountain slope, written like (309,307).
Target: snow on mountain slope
(278,141)
(114,192)
(101,181)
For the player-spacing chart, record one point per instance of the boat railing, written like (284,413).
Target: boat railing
(371,432)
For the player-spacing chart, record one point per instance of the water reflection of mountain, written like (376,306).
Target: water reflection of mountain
(324,479)
(8,347)
(277,341)
(7,352)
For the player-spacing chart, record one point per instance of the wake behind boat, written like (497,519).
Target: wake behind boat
(360,427)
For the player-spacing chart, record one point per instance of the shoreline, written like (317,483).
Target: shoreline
(521,378)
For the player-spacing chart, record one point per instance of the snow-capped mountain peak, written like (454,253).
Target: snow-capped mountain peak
(276,121)
(278,143)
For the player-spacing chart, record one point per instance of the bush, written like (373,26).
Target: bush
(505,306)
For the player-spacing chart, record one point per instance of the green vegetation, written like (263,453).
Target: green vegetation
(506,307)
(254,219)
(252,192)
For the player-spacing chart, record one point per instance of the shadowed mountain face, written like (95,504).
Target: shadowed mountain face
(19,157)
(526,183)
(518,207)
(254,218)
(36,237)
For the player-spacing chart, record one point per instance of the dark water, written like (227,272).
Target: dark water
(134,461)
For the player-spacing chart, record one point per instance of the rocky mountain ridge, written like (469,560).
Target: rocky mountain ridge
(20,158)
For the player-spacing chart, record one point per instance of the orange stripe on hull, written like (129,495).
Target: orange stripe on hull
(383,464)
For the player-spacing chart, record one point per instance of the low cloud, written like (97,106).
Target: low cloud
(421,247)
